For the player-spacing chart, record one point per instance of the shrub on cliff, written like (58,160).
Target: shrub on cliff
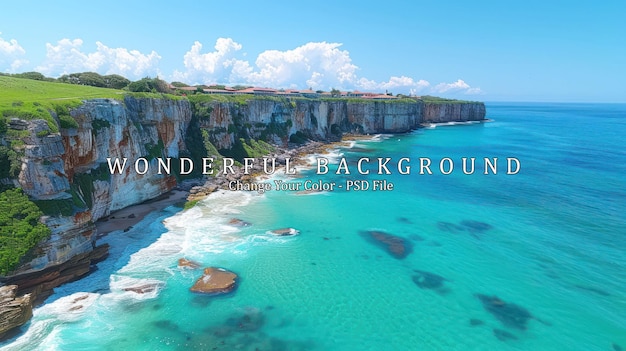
(20,229)
(10,163)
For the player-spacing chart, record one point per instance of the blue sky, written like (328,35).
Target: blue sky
(482,50)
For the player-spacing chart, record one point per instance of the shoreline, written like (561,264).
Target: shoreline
(123,219)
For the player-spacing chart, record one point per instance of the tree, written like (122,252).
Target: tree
(179,84)
(139,86)
(334,92)
(115,81)
(147,85)
(30,75)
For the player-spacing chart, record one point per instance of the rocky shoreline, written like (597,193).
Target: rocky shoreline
(20,293)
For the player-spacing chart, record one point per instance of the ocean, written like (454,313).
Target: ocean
(530,261)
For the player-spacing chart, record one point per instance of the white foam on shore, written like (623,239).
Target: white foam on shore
(445,124)
(378,138)
(49,318)
(192,233)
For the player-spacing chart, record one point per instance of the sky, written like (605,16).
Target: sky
(560,51)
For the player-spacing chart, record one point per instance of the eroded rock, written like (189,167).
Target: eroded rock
(215,281)
(428,280)
(14,311)
(239,222)
(285,232)
(509,314)
(185,263)
(396,246)
(503,335)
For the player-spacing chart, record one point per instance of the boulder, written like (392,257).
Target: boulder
(14,311)
(185,263)
(239,223)
(215,281)
(142,289)
(285,232)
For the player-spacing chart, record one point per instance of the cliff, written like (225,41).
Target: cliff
(276,120)
(66,174)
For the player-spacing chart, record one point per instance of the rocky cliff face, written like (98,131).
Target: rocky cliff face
(324,120)
(453,112)
(69,170)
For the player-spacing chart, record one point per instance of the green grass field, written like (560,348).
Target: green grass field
(28,91)
(30,99)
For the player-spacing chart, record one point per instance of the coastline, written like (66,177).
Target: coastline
(127,217)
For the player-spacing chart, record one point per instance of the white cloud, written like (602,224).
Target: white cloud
(11,55)
(455,88)
(402,84)
(319,65)
(474,91)
(446,87)
(67,57)
(216,66)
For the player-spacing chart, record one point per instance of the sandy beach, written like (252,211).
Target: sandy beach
(131,215)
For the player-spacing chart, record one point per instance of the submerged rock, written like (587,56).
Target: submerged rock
(475,226)
(239,222)
(142,289)
(509,314)
(593,290)
(215,281)
(616,347)
(476,322)
(396,246)
(428,280)
(185,263)
(503,335)
(285,232)
(449,227)
(166,324)
(250,320)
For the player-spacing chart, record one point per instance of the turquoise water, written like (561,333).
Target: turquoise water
(548,242)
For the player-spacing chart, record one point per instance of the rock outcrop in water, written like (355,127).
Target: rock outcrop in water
(14,311)
(215,281)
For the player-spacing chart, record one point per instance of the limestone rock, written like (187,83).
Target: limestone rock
(185,263)
(239,223)
(285,232)
(14,311)
(215,281)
